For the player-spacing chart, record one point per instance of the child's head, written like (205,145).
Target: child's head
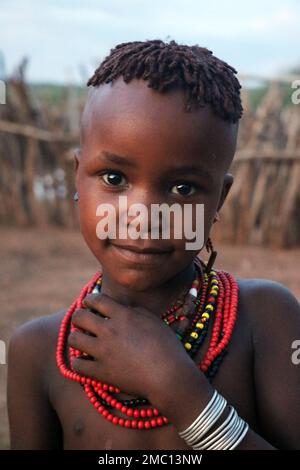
(159,126)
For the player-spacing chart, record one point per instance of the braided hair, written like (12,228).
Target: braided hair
(207,79)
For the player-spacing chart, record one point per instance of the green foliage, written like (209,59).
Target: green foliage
(53,94)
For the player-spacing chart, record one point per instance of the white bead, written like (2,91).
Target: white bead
(193,292)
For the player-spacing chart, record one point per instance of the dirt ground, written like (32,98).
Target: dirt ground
(43,271)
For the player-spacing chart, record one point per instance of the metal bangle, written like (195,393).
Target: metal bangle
(188,431)
(220,441)
(226,437)
(244,432)
(226,441)
(216,434)
(204,428)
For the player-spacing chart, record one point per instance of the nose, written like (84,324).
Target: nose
(139,205)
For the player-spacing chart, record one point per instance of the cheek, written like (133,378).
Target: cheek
(90,197)
(88,225)
(88,203)
(196,225)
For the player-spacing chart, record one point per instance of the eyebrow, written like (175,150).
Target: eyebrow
(118,159)
(199,171)
(186,169)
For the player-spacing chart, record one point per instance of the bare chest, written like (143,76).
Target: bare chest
(84,428)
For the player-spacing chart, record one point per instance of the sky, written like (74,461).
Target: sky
(65,40)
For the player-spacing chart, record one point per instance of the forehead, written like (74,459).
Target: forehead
(135,119)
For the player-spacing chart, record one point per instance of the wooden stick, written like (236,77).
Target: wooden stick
(34,132)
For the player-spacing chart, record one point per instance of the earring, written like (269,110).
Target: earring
(209,247)
(76,196)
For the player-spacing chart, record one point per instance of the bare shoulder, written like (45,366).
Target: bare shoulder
(30,354)
(271,297)
(273,314)
(32,343)
(269,306)
(40,330)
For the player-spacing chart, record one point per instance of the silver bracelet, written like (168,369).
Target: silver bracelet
(205,413)
(236,431)
(226,437)
(205,420)
(226,441)
(220,438)
(239,440)
(207,441)
(208,423)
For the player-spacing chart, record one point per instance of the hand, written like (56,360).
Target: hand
(131,348)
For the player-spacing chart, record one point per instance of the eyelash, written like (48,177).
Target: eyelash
(115,172)
(193,185)
(107,172)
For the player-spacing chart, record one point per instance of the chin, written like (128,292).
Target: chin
(137,280)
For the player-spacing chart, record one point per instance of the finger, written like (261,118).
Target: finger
(84,367)
(83,342)
(86,320)
(104,305)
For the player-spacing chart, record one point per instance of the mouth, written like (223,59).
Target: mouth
(147,255)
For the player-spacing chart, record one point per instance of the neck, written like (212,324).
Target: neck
(158,299)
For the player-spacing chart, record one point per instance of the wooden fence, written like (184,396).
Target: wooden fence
(263,206)
(36,162)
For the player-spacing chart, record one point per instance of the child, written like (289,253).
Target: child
(159,126)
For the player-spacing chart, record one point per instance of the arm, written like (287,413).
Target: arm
(277,379)
(33,422)
(182,411)
(276,325)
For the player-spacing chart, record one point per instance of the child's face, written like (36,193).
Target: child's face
(159,140)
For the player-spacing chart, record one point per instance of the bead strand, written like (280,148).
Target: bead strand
(216,300)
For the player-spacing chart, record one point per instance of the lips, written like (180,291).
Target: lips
(145,248)
(143,254)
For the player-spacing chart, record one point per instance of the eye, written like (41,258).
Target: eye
(113,178)
(184,189)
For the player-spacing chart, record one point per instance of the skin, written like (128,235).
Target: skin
(123,119)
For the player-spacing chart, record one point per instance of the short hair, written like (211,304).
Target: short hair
(207,79)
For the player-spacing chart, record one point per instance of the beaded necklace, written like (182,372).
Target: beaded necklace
(215,298)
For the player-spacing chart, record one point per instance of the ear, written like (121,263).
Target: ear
(227,183)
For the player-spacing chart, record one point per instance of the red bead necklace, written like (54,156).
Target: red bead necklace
(217,297)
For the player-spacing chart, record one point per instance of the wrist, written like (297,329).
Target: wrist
(182,394)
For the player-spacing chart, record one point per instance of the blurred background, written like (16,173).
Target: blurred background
(48,50)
